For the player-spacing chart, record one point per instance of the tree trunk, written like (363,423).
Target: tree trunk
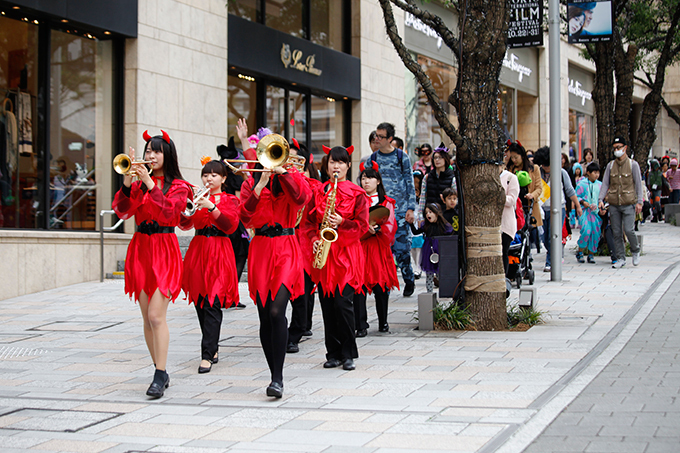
(624,63)
(603,97)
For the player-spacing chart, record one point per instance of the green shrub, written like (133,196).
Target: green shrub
(453,316)
(528,316)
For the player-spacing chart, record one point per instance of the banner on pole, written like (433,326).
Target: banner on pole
(589,21)
(526,17)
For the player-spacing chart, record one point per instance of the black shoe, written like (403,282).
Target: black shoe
(275,389)
(216,358)
(409,289)
(384,328)
(205,369)
(436,281)
(240,305)
(361,333)
(292,348)
(349,365)
(307,333)
(161,381)
(417,276)
(332,363)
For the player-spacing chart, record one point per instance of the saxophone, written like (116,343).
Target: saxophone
(328,234)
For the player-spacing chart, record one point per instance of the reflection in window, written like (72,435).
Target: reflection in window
(327,125)
(298,116)
(242,104)
(327,23)
(285,16)
(80,129)
(580,134)
(246,9)
(276,109)
(506,113)
(20,184)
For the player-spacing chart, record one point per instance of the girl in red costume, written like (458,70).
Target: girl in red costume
(303,306)
(380,270)
(153,266)
(209,278)
(270,202)
(343,274)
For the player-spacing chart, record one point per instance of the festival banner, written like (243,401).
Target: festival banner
(526,17)
(589,21)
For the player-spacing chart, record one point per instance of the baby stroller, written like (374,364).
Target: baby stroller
(519,254)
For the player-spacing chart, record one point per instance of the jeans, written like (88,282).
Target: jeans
(622,220)
(546,235)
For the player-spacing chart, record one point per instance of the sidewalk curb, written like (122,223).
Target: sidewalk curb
(516,437)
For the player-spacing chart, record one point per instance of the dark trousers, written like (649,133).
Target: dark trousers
(381,306)
(338,324)
(210,320)
(274,331)
(506,241)
(301,316)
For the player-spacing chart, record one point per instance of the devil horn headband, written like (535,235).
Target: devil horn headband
(295,142)
(326,149)
(147,137)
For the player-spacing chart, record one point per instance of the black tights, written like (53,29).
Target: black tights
(361,314)
(274,331)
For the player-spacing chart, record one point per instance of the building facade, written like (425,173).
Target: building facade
(81,80)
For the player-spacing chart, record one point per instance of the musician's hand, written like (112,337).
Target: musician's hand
(371,229)
(315,245)
(204,203)
(335,220)
(144,176)
(280,170)
(127,179)
(262,183)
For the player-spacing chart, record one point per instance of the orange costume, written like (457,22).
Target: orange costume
(209,264)
(153,257)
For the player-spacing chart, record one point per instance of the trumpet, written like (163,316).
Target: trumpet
(272,151)
(122,164)
(191,202)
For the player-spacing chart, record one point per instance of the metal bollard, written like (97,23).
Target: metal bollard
(426,304)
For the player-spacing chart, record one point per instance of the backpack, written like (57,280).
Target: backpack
(400,158)
(519,214)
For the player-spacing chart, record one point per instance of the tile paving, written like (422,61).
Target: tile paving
(412,391)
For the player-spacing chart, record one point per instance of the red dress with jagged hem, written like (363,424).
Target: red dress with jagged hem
(380,268)
(305,244)
(345,264)
(209,264)
(153,261)
(274,261)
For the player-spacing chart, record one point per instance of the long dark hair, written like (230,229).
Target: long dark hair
(309,165)
(274,185)
(445,155)
(518,149)
(217,167)
(338,154)
(373,173)
(170,165)
(440,226)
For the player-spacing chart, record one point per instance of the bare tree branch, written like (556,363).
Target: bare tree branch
(433,21)
(423,79)
(672,113)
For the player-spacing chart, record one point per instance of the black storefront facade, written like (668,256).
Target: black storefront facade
(291,85)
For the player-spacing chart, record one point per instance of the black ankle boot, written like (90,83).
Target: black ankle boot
(161,381)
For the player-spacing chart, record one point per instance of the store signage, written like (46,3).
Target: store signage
(294,59)
(575,89)
(524,29)
(589,21)
(511,61)
(418,25)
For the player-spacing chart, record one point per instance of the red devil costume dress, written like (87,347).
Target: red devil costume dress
(153,258)
(209,265)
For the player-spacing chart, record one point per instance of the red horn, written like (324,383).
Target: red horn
(350,149)
(295,142)
(146,136)
(311,157)
(517,141)
(375,166)
(166,137)
(326,149)
(509,142)
(362,167)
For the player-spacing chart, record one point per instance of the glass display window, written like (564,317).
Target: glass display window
(580,134)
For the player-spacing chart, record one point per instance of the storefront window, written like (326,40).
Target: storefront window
(242,103)
(580,134)
(19,172)
(327,125)
(298,115)
(285,16)
(276,109)
(421,126)
(246,9)
(327,23)
(506,112)
(80,128)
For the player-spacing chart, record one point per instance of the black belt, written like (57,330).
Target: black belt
(153,228)
(274,231)
(211,231)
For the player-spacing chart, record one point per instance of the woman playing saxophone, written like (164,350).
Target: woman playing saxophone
(345,210)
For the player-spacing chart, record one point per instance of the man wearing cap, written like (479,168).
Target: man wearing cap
(673,177)
(622,188)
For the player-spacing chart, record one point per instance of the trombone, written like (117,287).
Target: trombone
(122,164)
(191,202)
(272,151)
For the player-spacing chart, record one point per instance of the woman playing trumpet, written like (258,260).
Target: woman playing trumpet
(153,266)
(342,274)
(209,278)
(270,202)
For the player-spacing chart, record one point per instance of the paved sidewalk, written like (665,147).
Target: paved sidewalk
(633,405)
(74,369)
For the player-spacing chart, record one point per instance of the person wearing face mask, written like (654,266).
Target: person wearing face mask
(424,164)
(622,188)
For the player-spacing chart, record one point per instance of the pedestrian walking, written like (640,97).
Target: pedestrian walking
(380,272)
(342,206)
(395,168)
(270,203)
(434,224)
(434,183)
(655,182)
(424,164)
(209,278)
(508,218)
(673,177)
(153,265)
(622,188)
(588,194)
